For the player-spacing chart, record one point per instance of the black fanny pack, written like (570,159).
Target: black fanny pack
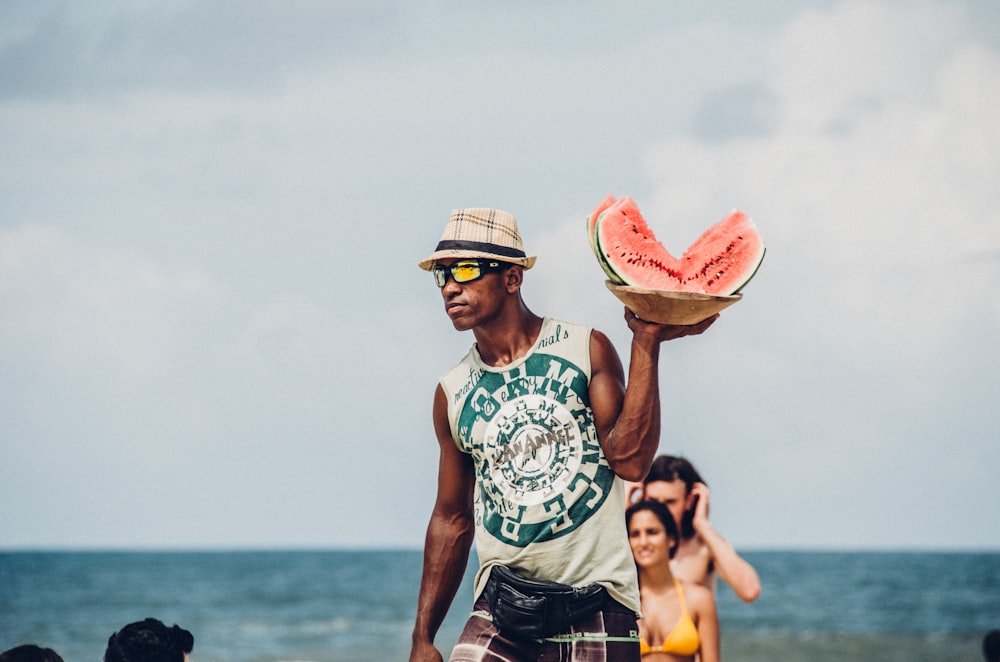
(538,609)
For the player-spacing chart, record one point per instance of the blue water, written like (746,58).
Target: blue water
(358,606)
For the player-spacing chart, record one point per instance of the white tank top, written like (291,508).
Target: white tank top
(547,502)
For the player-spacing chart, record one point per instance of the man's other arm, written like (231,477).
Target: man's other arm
(449,536)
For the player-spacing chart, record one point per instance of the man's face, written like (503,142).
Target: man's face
(672,494)
(472,303)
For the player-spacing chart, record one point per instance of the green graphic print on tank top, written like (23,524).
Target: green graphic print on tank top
(546,497)
(539,466)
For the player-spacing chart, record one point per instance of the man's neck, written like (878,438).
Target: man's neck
(508,338)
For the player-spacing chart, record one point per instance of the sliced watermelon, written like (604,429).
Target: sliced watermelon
(592,235)
(721,261)
(592,219)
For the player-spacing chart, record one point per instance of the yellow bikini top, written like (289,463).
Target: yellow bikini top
(682,640)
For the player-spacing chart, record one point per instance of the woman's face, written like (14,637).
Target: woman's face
(648,539)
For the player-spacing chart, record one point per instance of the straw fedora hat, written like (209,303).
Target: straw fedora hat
(480,232)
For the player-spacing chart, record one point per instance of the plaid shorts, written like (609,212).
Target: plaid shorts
(609,635)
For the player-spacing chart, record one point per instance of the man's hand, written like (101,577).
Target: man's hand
(700,519)
(663,332)
(634,493)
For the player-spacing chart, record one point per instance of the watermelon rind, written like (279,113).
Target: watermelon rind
(609,270)
(592,221)
(763,251)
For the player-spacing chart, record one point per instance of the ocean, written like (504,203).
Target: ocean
(358,606)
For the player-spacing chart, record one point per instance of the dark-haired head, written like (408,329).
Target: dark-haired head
(991,646)
(668,468)
(149,641)
(661,513)
(30,653)
(671,468)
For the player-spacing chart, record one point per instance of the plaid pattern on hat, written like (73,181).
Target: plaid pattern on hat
(480,232)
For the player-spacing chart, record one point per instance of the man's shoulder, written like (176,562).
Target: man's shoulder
(694,550)
(693,563)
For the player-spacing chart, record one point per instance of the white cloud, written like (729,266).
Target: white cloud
(830,62)
(79,308)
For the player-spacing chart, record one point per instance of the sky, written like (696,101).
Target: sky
(213,332)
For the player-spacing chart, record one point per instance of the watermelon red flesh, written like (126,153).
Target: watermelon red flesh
(726,256)
(721,261)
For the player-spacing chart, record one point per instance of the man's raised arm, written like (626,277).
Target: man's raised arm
(628,416)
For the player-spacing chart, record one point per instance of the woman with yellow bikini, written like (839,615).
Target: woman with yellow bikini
(679,620)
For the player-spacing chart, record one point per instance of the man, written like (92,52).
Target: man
(536,431)
(149,641)
(703,552)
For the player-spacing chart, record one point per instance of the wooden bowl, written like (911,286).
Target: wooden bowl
(663,307)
